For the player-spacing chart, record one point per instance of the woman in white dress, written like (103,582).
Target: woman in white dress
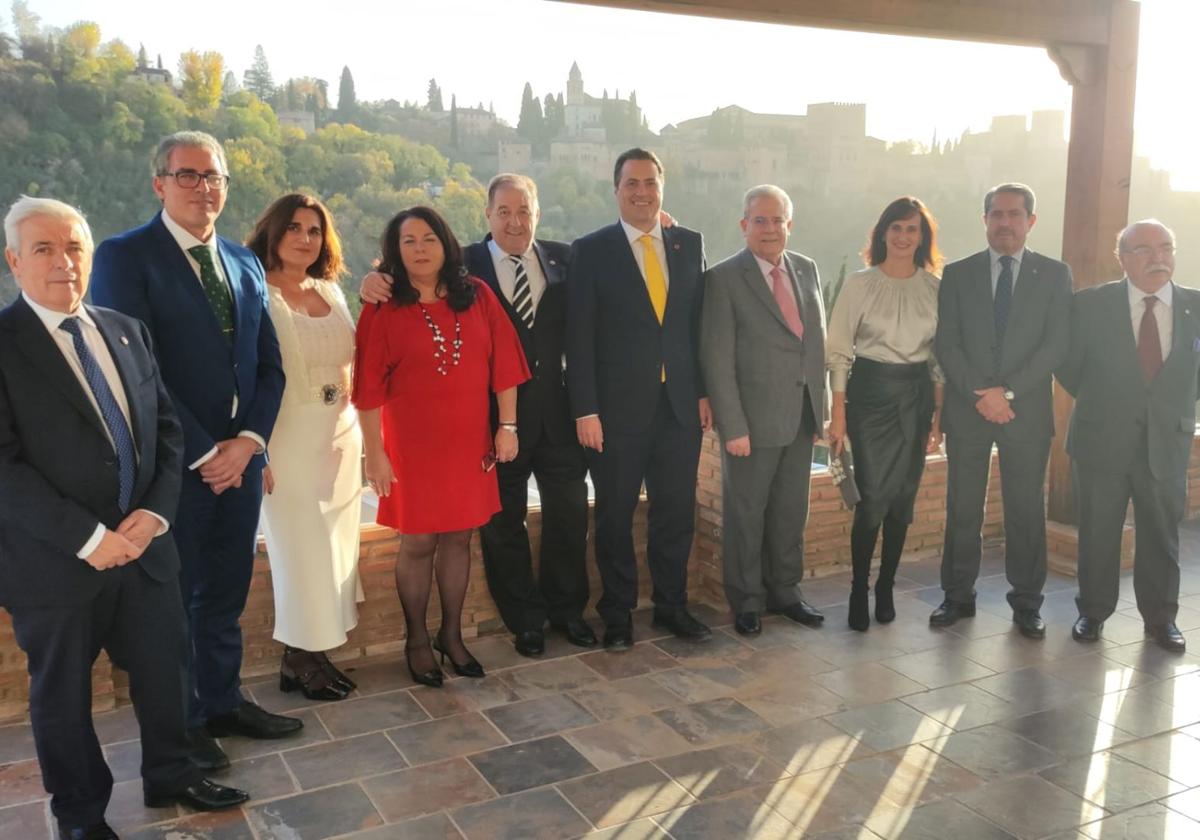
(313,486)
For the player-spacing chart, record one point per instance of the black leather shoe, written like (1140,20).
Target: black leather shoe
(1030,623)
(747,624)
(203,795)
(948,612)
(253,721)
(618,636)
(206,753)
(801,613)
(578,632)
(530,643)
(1086,629)
(97,831)
(682,624)
(1167,636)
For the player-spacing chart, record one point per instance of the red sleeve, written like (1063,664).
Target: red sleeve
(372,364)
(508,364)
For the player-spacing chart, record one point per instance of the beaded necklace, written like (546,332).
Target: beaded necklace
(443,359)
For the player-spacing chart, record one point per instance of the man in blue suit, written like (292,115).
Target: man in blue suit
(203,299)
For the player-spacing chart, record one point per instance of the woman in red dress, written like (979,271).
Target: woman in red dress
(426,365)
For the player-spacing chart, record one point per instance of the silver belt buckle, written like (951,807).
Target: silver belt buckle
(330,393)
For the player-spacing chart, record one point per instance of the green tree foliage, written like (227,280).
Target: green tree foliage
(347,99)
(200,78)
(257,79)
(530,124)
(433,100)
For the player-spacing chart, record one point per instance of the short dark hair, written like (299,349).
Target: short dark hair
(636,153)
(927,255)
(271,226)
(460,289)
(1023,190)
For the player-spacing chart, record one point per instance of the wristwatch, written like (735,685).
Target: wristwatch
(512,427)
(1009,395)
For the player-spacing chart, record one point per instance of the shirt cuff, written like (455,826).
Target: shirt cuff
(93,543)
(163,524)
(254,436)
(587,417)
(206,457)
(838,378)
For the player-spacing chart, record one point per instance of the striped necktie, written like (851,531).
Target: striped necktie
(522,299)
(214,289)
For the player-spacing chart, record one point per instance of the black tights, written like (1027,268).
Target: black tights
(862,547)
(415,568)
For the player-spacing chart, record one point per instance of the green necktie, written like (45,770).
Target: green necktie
(214,289)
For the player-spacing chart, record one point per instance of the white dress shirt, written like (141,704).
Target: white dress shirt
(767,268)
(506,272)
(1162,313)
(995,255)
(639,254)
(52,320)
(186,240)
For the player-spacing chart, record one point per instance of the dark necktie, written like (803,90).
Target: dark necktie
(1149,344)
(109,410)
(522,299)
(1003,299)
(214,289)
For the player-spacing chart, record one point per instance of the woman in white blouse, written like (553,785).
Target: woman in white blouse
(887,390)
(313,486)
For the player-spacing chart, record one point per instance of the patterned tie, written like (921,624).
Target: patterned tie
(214,289)
(109,410)
(787,304)
(522,299)
(1149,343)
(656,283)
(1003,300)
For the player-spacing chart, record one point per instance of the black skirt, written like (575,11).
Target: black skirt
(889,411)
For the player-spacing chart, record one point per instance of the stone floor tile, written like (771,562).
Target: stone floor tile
(432,827)
(695,684)
(772,662)
(869,682)
(269,696)
(825,801)
(1032,689)
(1171,754)
(720,770)
(846,648)
(436,740)
(124,760)
(1138,712)
(496,653)
(540,716)
(781,701)
(625,794)
(532,815)
(216,825)
(1149,822)
(643,829)
(554,677)
(16,743)
(962,706)
(613,744)
(21,782)
(370,714)
(623,698)
(993,752)
(317,814)
(427,789)
(983,625)
(909,777)
(265,777)
(808,745)
(30,821)
(1183,689)
(645,658)
(1096,673)
(885,726)
(314,732)
(778,631)
(116,726)
(465,695)
(707,652)
(343,760)
(936,668)
(713,721)
(531,764)
(127,808)
(380,677)
(1005,653)
(741,815)
(1112,782)
(936,821)
(1067,731)
(1031,807)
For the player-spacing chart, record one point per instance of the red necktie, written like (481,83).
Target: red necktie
(787,304)
(1149,346)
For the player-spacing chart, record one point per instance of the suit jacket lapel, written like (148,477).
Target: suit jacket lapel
(675,271)
(632,274)
(119,350)
(552,269)
(488,275)
(981,285)
(753,278)
(182,276)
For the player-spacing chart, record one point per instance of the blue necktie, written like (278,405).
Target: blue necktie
(1003,300)
(109,410)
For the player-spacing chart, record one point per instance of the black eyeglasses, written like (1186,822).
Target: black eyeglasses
(189,179)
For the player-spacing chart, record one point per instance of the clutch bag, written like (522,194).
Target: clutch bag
(843,477)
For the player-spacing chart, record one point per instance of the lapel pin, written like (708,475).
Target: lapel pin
(675,247)
(553,262)
(124,340)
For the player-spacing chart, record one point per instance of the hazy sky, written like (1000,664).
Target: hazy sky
(681,67)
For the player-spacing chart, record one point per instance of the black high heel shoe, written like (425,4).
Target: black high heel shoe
(313,682)
(335,676)
(471,668)
(432,678)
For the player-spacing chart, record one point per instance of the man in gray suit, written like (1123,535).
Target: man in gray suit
(1003,315)
(762,352)
(1134,370)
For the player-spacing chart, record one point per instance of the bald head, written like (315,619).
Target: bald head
(1146,251)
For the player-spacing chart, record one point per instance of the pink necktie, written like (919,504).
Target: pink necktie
(787,304)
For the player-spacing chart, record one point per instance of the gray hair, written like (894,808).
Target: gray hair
(766,190)
(1128,229)
(1023,190)
(512,179)
(188,139)
(26,207)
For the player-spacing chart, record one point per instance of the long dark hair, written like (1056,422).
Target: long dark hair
(273,224)
(927,255)
(460,288)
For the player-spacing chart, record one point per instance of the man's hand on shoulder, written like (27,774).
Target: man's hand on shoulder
(376,288)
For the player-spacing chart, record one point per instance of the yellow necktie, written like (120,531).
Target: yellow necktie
(656,284)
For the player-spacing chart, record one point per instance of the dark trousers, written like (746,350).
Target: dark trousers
(1158,507)
(765,500)
(1022,483)
(666,457)
(562,563)
(216,536)
(139,622)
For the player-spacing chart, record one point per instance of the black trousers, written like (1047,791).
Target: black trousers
(560,591)
(665,458)
(140,623)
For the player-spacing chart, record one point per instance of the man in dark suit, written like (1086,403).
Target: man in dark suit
(1002,331)
(1134,370)
(204,300)
(634,295)
(762,347)
(90,460)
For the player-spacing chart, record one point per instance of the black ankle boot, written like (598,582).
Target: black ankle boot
(860,612)
(885,607)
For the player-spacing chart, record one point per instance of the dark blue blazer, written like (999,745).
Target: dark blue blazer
(143,273)
(616,348)
(58,472)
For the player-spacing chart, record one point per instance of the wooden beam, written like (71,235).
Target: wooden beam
(1023,22)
